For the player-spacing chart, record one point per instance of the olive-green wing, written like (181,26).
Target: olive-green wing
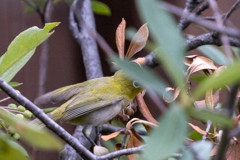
(64,93)
(79,107)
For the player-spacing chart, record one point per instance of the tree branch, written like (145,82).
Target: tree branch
(45,119)
(189,7)
(192,17)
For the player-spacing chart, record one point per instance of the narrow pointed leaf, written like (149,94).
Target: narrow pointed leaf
(206,115)
(169,137)
(120,38)
(100,8)
(164,31)
(138,42)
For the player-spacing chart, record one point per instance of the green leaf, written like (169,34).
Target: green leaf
(169,137)
(144,76)
(31,133)
(227,77)
(14,84)
(205,115)
(10,150)
(236,51)
(164,31)
(202,148)
(101,8)
(198,78)
(22,48)
(19,147)
(214,54)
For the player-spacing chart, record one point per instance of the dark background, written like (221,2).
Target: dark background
(65,64)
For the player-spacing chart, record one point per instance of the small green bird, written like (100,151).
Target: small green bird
(93,102)
(96,101)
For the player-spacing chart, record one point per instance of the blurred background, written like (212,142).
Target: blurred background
(65,63)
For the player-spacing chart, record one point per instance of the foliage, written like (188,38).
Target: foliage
(12,117)
(170,134)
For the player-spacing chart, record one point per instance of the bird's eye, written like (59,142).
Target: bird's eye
(136,84)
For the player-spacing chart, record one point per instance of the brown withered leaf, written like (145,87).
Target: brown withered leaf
(199,130)
(202,105)
(139,41)
(144,109)
(134,141)
(112,135)
(117,146)
(200,63)
(175,95)
(189,59)
(209,99)
(140,60)
(120,38)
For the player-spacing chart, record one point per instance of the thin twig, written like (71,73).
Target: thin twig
(228,111)
(36,8)
(189,7)
(122,152)
(202,8)
(221,26)
(4,99)
(209,123)
(192,17)
(123,141)
(232,9)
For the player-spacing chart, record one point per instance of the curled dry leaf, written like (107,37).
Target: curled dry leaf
(134,141)
(199,63)
(120,38)
(189,59)
(199,130)
(202,104)
(175,95)
(146,124)
(139,41)
(110,136)
(144,109)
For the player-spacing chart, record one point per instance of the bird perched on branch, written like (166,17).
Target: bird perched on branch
(96,101)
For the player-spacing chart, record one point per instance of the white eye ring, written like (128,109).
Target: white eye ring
(135,84)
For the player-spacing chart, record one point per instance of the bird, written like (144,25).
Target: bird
(93,102)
